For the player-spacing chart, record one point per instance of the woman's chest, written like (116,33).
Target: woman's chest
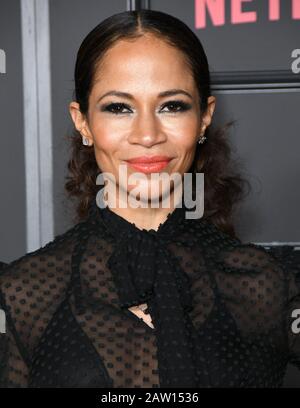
(104,348)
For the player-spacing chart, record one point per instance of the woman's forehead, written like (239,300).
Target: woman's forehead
(144,71)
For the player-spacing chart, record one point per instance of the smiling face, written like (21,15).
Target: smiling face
(143,122)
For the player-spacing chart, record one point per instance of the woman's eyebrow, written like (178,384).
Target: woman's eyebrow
(170,92)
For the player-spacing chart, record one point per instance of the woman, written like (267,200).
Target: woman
(146,297)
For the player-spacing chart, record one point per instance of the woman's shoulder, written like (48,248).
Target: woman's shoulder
(33,286)
(58,249)
(34,280)
(259,281)
(256,260)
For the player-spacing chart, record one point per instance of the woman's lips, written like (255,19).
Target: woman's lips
(149,167)
(149,164)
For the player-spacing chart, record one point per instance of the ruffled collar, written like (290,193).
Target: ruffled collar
(117,225)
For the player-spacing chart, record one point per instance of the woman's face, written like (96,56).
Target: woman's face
(143,123)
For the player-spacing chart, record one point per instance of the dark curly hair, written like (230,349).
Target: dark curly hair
(223,185)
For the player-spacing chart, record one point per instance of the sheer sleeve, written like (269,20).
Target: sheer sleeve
(14,359)
(31,289)
(262,290)
(289,259)
(13,365)
(293,307)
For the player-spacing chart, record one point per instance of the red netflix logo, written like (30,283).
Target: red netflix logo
(216,10)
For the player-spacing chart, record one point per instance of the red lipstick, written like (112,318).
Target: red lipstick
(149,164)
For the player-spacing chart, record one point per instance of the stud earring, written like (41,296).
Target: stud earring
(202,139)
(85,141)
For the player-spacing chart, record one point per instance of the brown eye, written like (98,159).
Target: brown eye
(115,108)
(177,106)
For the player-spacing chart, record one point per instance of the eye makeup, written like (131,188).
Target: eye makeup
(117,107)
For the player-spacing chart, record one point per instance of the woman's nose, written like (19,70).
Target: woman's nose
(146,130)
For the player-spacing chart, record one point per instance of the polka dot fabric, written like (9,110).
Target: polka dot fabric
(221,310)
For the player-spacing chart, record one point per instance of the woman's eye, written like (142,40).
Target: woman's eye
(115,108)
(177,106)
(173,107)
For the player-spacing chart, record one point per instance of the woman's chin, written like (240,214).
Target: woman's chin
(150,199)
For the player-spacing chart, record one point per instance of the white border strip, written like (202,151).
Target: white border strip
(274,244)
(218,90)
(37,122)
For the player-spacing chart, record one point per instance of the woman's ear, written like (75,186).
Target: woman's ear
(207,116)
(79,120)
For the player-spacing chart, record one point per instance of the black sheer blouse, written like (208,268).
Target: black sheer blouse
(219,311)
